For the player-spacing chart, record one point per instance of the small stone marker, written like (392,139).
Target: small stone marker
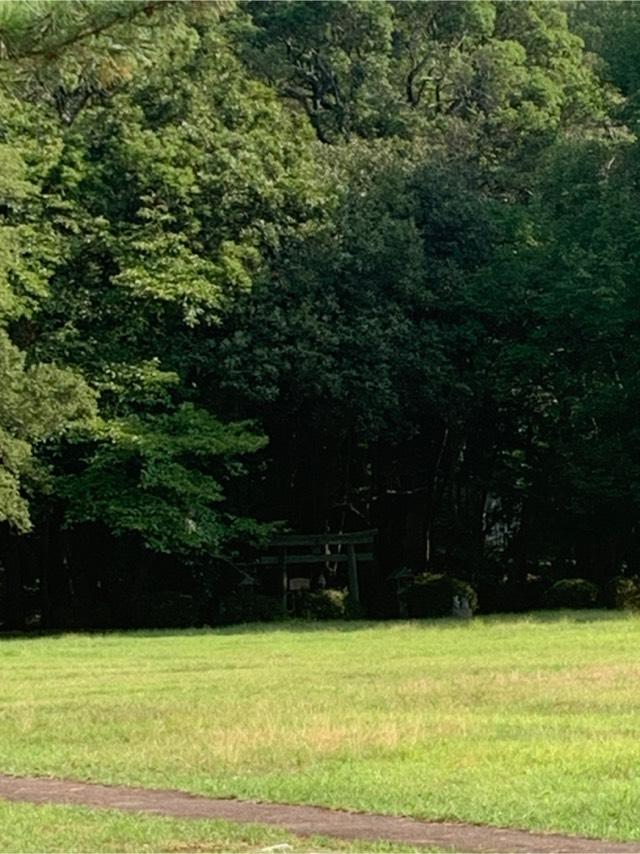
(461,608)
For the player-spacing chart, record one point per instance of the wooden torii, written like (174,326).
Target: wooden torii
(295,549)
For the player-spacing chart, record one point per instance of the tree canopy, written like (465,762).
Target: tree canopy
(314,266)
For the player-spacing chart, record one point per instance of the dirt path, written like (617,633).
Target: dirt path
(301,820)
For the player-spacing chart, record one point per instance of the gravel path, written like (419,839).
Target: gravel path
(301,820)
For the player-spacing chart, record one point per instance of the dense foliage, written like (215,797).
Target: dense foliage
(321,266)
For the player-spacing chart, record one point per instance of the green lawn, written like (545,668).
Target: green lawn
(530,722)
(25,828)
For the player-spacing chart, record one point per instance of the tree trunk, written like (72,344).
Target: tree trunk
(13,617)
(434,494)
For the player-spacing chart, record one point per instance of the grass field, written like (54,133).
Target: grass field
(32,829)
(530,722)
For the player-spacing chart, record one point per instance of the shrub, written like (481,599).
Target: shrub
(623,591)
(572,593)
(327,605)
(431,595)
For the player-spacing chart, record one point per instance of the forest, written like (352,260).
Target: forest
(313,267)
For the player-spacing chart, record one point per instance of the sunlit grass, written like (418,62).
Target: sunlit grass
(530,722)
(25,829)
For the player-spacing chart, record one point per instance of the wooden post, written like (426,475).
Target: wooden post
(354,589)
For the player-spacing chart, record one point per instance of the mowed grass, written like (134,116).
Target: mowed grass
(25,828)
(529,722)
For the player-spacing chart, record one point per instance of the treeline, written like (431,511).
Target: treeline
(327,266)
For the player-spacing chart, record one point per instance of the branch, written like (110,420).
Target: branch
(89,30)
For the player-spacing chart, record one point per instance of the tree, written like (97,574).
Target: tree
(494,81)
(46,28)
(39,400)
(165,201)
(336,265)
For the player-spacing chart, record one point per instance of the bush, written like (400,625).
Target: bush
(327,605)
(431,595)
(623,591)
(247,606)
(572,593)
